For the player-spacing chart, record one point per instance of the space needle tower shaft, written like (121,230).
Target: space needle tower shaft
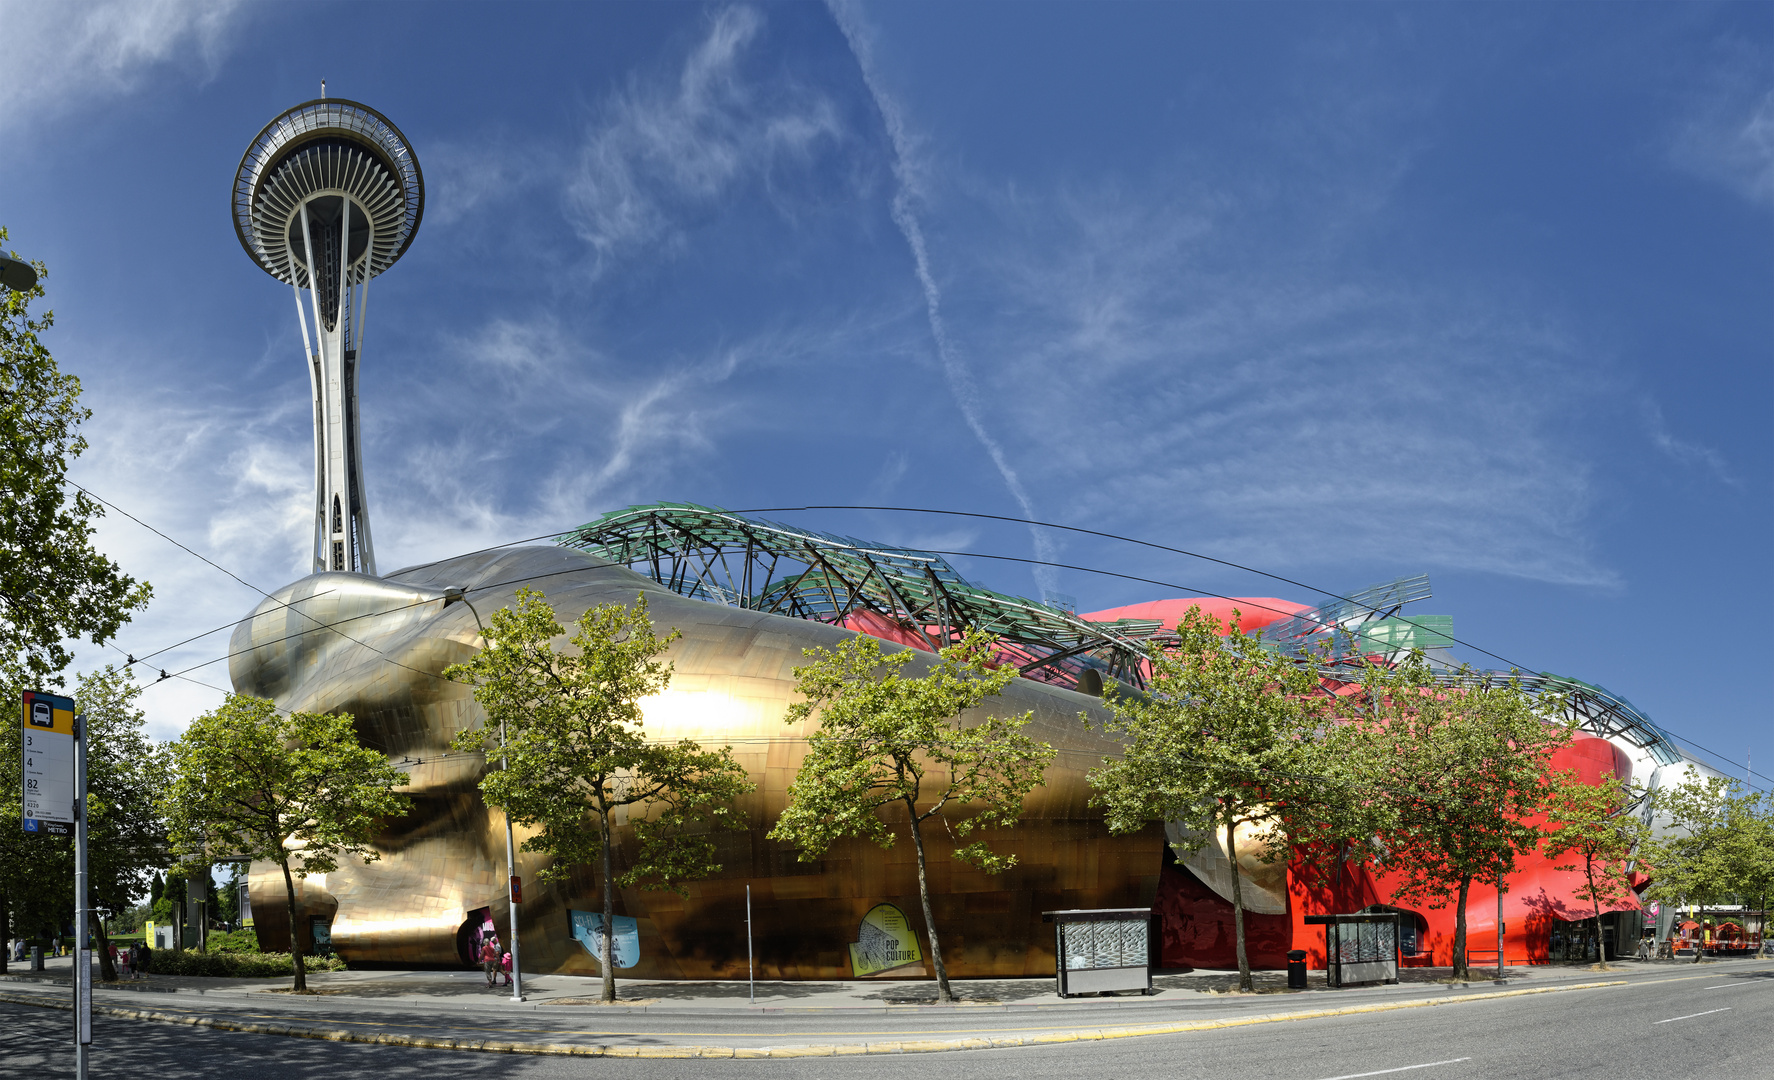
(328,196)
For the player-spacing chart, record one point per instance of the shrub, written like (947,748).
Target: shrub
(235,965)
(235,941)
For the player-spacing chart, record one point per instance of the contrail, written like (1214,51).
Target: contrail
(955,370)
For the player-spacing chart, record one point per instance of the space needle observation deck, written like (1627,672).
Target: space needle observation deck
(328,196)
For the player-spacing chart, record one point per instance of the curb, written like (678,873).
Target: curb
(920,1046)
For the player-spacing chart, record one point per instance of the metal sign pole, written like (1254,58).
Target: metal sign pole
(751,966)
(511,884)
(82,954)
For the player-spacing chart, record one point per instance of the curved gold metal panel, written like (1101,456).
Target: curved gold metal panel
(381,660)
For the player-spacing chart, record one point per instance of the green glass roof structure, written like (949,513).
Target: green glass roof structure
(727,558)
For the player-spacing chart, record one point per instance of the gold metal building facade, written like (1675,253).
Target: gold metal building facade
(376,648)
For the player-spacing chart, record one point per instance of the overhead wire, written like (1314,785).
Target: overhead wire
(319,626)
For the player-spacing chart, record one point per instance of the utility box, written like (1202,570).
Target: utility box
(1101,950)
(1362,948)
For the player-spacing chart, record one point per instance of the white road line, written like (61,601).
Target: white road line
(1720,986)
(1691,1016)
(1406,1068)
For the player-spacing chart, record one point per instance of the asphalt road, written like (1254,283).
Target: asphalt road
(1711,1024)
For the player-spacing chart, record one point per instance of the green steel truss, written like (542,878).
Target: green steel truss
(726,558)
(760,565)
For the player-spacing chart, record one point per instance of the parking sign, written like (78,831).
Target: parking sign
(47,782)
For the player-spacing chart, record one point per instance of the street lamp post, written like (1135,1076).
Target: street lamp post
(517,976)
(16,274)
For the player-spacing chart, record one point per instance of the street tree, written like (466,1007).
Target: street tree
(892,752)
(1708,848)
(55,587)
(1458,768)
(295,789)
(570,733)
(1595,828)
(1225,737)
(126,771)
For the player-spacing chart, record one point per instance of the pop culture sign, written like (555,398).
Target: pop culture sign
(47,783)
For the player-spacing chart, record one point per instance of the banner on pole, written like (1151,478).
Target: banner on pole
(46,783)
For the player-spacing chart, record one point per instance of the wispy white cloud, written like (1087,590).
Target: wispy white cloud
(1726,129)
(662,148)
(1691,454)
(1265,399)
(61,56)
(908,170)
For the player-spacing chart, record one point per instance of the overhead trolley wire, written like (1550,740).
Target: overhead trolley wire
(1128,540)
(184,673)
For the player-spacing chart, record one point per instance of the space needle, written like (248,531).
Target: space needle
(326,197)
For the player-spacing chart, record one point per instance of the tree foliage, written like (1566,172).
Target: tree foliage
(569,730)
(888,741)
(1227,735)
(294,789)
(1594,828)
(1457,771)
(54,585)
(1715,844)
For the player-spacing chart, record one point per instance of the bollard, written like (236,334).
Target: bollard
(36,958)
(1296,969)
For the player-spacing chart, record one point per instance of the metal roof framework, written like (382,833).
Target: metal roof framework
(727,558)
(759,565)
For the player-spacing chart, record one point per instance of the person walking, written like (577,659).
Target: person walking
(489,959)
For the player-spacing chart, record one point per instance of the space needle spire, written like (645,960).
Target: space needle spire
(328,196)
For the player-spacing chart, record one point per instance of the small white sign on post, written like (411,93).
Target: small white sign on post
(47,784)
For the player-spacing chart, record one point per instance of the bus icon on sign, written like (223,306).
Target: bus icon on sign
(41,716)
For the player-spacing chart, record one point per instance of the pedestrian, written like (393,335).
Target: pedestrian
(489,959)
(505,967)
(122,960)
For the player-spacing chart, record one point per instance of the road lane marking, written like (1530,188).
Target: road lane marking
(1402,1068)
(1691,1016)
(1720,986)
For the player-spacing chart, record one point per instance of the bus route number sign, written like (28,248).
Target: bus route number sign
(46,783)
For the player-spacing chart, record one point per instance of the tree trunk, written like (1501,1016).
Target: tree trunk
(943,994)
(1700,935)
(107,970)
(1601,952)
(1461,971)
(5,931)
(1244,981)
(300,985)
(609,964)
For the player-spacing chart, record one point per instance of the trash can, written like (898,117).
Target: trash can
(1296,969)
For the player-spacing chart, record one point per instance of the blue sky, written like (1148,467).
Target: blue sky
(1340,292)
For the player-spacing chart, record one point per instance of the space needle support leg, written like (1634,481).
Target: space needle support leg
(328,406)
(310,360)
(360,518)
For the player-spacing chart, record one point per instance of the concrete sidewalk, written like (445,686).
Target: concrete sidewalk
(469,988)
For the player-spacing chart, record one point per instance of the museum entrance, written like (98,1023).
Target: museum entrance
(470,934)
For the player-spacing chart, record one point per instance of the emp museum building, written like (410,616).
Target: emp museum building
(330,195)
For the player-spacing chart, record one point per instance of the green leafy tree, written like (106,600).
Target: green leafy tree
(1594,828)
(1458,768)
(295,789)
(888,741)
(1225,737)
(1708,850)
(126,771)
(569,729)
(54,585)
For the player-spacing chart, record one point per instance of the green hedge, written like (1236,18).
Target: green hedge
(237,941)
(223,965)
